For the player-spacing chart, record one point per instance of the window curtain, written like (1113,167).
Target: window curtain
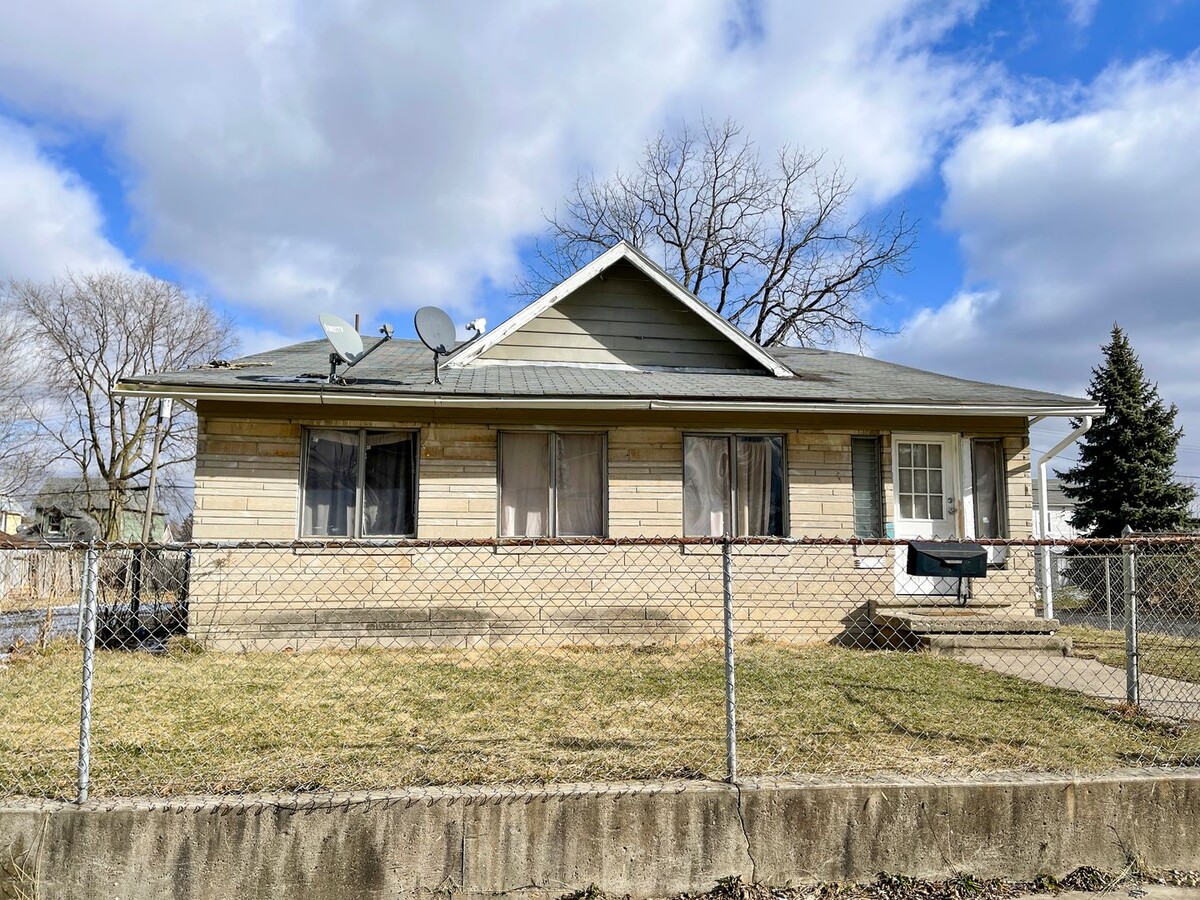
(524,484)
(330,484)
(579,485)
(760,482)
(705,486)
(985,466)
(388,507)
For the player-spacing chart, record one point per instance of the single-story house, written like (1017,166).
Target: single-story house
(618,404)
(1060,507)
(71,509)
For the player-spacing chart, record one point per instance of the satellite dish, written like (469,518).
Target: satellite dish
(435,329)
(341,334)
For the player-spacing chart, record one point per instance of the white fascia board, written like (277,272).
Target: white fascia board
(621,251)
(341,398)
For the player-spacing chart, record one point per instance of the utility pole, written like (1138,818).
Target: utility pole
(164,415)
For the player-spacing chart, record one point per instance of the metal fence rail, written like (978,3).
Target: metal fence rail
(259,669)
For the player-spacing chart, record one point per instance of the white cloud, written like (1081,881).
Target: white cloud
(1081,12)
(1072,224)
(362,154)
(52,221)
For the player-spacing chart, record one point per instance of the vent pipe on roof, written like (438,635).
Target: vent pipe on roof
(1044,512)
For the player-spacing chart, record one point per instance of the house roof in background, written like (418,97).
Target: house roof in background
(69,495)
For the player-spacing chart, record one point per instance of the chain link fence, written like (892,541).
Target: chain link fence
(255,670)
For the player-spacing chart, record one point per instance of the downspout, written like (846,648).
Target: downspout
(1044,511)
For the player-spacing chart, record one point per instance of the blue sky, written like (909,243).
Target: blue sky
(287,158)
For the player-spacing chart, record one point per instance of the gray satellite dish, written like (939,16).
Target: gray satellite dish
(435,329)
(347,343)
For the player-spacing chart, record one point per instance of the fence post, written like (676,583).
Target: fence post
(1132,675)
(91,581)
(1108,592)
(730,696)
(84,582)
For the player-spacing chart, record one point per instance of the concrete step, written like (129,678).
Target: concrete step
(911,602)
(1028,644)
(963,621)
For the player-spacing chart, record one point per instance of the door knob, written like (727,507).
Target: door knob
(950,505)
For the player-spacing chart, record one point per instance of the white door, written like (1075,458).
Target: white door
(925,482)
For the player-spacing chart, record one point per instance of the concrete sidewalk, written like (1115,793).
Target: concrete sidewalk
(1126,891)
(1167,698)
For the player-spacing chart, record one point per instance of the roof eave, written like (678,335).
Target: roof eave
(492,401)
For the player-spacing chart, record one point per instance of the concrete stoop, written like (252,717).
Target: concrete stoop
(954,631)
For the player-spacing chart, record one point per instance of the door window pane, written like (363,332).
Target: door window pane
(389,484)
(706,487)
(330,484)
(579,485)
(919,480)
(524,484)
(760,485)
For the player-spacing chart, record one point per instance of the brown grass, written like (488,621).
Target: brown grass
(219,723)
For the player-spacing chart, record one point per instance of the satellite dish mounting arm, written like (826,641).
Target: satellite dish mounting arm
(334,359)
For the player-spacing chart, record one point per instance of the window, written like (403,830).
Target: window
(987,474)
(55,522)
(867,485)
(734,484)
(919,467)
(359,483)
(552,484)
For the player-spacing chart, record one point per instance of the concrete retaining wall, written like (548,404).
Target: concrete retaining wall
(630,839)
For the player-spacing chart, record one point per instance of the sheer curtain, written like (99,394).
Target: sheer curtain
(388,484)
(330,483)
(760,485)
(524,484)
(705,486)
(579,485)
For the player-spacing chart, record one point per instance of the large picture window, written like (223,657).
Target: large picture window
(552,484)
(359,483)
(734,484)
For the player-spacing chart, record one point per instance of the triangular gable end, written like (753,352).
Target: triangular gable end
(620,311)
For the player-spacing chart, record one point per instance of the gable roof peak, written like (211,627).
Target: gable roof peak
(622,250)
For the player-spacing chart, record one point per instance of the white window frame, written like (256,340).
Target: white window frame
(552,496)
(360,483)
(732,437)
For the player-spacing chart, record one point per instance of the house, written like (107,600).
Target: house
(11,515)
(617,405)
(70,509)
(1060,508)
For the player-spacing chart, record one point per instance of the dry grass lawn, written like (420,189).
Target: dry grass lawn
(1161,654)
(227,723)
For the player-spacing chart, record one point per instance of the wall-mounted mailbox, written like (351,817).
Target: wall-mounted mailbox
(947,559)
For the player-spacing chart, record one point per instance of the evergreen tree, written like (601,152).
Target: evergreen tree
(1125,473)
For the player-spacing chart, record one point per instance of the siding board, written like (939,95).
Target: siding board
(622,318)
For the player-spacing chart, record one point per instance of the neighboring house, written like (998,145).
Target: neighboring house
(618,404)
(66,510)
(11,515)
(1060,509)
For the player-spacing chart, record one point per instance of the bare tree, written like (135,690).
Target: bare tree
(20,455)
(95,330)
(772,247)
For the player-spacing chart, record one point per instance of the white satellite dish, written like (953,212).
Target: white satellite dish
(347,343)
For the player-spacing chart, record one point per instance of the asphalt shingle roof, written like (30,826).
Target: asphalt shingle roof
(404,367)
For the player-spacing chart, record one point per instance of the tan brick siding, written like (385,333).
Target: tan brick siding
(247,486)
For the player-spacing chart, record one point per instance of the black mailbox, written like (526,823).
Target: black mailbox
(947,559)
